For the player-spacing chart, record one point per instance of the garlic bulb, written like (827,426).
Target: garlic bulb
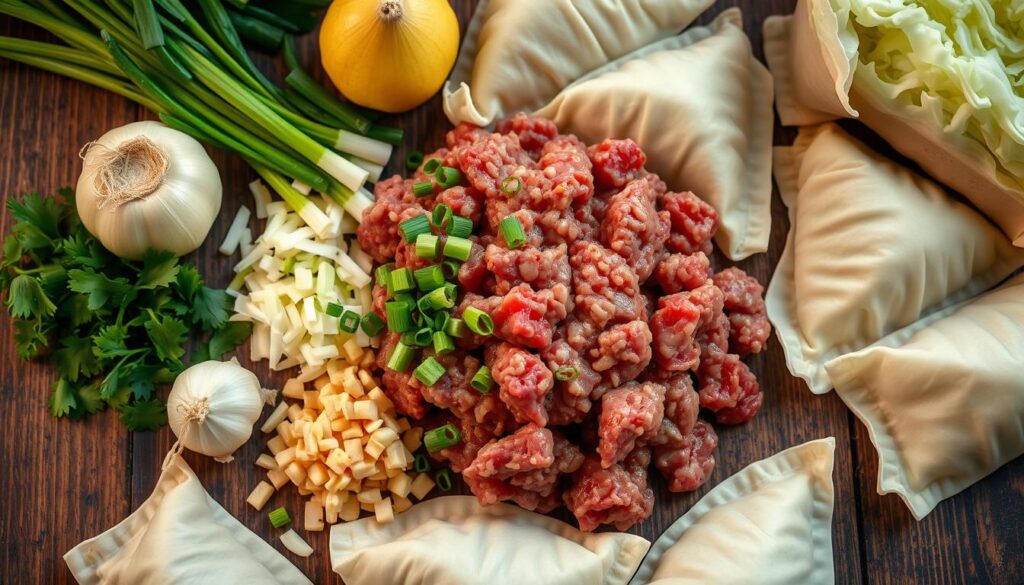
(213,406)
(144,186)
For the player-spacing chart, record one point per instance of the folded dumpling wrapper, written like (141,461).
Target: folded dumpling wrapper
(456,541)
(518,54)
(942,399)
(700,106)
(180,535)
(822,73)
(769,524)
(872,248)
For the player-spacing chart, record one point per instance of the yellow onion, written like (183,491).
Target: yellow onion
(389,55)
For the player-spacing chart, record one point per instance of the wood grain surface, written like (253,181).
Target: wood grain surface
(63,481)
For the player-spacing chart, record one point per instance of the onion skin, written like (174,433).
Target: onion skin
(177,216)
(391,66)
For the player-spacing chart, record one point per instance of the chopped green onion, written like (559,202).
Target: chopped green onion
(458,248)
(443,479)
(478,321)
(429,372)
(407,298)
(439,298)
(450,269)
(459,226)
(383,274)
(423,189)
(442,437)
(429,278)
(441,320)
(441,215)
(427,245)
(442,343)
(512,230)
(421,464)
(566,374)
(372,324)
(414,226)
(334,310)
(399,315)
(401,357)
(349,322)
(414,160)
(423,337)
(482,381)
(448,177)
(455,327)
(402,280)
(279,517)
(432,165)
(511,185)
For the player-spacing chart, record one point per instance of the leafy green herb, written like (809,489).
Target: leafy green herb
(112,329)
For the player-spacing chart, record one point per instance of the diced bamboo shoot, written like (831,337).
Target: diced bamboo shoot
(260,494)
(314,517)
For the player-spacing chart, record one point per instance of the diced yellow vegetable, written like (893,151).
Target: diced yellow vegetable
(404,425)
(373,449)
(293,388)
(311,400)
(352,350)
(400,485)
(314,517)
(354,449)
(365,410)
(276,445)
(266,461)
(370,426)
(382,510)
(401,504)
(285,457)
(284,430)
(277,477)
(295,472)
(353,432)
(295,411)
(260,494)
(328,444)
(321,381)
(412,438)
(350,510)
(394,457)
(280,413)
(370,496)
(363,469)
(421,486)
(332,506)
(317,473)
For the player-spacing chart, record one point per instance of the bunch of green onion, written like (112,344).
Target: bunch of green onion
(194,72)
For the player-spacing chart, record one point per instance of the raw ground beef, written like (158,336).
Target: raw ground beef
(611,330)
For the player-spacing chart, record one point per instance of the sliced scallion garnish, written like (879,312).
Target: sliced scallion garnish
(383,274)
(447,177)
(428,373)
(423,189)
(442,343)
(511,186)
(441,215)
(478,321)
(349,322)
(442,437)
(334,310)
(512,230)
(414,226)
(421,464)
(401,357)
(443,479)
(399,315)
(279,517)
(461,227)
(432,165)
(427,246)
(414,160)
(566,374)
(402,280)
(439,298)
(455,327)
(371,324)
(429,278)
(450,269)
(482,381)
(458,248)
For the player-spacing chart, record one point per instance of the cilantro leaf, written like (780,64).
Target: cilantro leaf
(119,399)
(141,381)
(100,288)
(75,358)
(210,308)
(147,415)
(84,251)
(27,299)
(74,308)
(89,399)
(42,213)
(12,251)
(226,339)
(111,342)
(28,337)
(62,399)
(188,282)
(168,337)
(159,269)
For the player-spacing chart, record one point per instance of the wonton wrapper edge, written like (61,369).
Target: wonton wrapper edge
(458,101)
(781,295)
(356,536)
(87,557)
(816,459)
(854,386)
(745,215)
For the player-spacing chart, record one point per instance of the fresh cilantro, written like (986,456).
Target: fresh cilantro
(146,415)
(210,308)
(159,269)
(62,399)
(233,334)
(75,358)
(26,298)
(112,329)
(100,288)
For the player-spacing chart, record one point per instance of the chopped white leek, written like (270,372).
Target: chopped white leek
(235,233)
(293,542)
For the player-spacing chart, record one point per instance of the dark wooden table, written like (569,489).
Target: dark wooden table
(64,481)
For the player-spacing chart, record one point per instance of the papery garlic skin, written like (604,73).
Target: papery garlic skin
(213,406)
(179,211)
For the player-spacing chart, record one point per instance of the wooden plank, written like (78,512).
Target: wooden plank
(63,481)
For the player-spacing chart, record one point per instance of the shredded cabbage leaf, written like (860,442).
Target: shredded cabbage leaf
(959,63)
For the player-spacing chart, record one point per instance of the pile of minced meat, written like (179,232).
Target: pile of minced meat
(612,290)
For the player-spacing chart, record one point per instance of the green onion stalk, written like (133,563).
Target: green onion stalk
(192,70)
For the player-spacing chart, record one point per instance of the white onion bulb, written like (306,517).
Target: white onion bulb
(213,406)
(146,186)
